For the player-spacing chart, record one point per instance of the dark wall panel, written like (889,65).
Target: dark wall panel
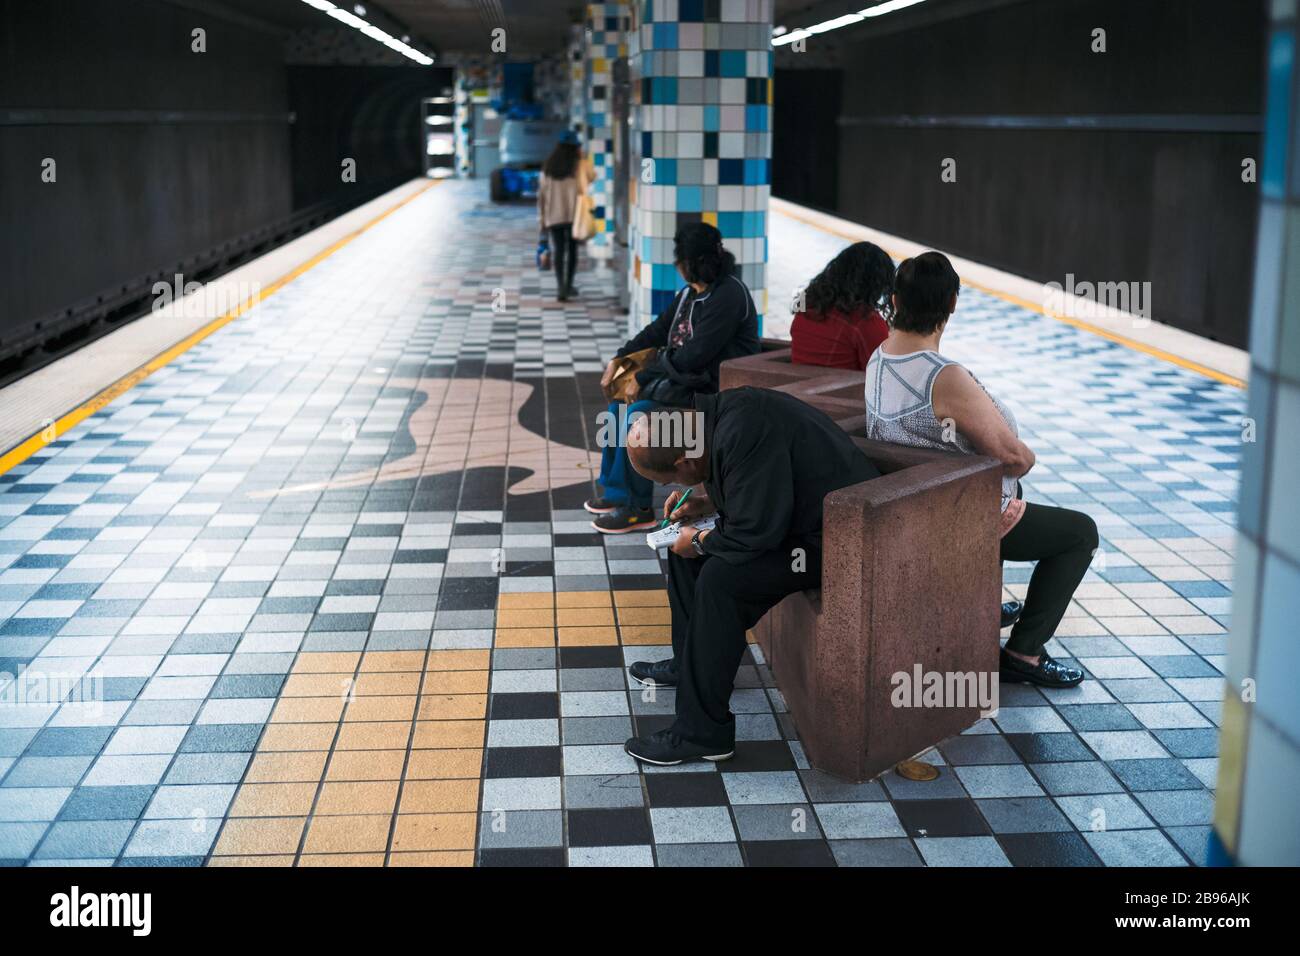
(805,136)
(1165,206)
(367,113)
(161,152)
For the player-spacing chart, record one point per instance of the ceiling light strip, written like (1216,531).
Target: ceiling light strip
(348,18)
(880,9)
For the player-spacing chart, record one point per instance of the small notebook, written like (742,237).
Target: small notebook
(665,536)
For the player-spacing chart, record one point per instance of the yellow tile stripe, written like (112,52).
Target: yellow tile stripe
(24,450)
(389,771)
(1033,307)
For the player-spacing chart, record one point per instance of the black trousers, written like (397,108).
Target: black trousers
(713,604)
(564,254)
(1062,542)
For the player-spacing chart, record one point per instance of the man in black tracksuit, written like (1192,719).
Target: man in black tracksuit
(768,460)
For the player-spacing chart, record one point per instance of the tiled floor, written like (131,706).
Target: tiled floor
(326,583)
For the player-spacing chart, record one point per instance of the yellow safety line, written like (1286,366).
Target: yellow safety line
(1026,304)
(24,450)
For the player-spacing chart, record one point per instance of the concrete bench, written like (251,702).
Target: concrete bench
(911,585)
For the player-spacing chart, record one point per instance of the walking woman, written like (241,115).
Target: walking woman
(916,396)
(709,321)
(841,320)
(562,181)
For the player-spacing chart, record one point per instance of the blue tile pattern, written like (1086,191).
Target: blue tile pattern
(143,560)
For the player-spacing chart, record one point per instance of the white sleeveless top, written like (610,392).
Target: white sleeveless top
(900,409)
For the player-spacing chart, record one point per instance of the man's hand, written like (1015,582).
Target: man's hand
(697,507)
(608,375)
(682,546)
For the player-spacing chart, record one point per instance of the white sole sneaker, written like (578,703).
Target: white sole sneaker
(715,758)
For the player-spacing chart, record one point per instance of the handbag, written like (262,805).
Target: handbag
(584,223)
(625,369)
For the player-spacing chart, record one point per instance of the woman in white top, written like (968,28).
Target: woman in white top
(562,181)
(916,396)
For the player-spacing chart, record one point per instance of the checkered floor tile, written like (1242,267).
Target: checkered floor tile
(321,591)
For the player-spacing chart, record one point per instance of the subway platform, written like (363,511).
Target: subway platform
(331,567)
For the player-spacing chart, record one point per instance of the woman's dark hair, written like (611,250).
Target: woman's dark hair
(924,287)
(563,161)
(698,251)
(861,276)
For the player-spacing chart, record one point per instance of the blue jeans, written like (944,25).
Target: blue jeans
(622,484)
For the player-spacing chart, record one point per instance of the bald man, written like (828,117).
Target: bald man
(766,462)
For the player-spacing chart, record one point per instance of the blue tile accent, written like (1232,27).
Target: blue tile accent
(1278,116)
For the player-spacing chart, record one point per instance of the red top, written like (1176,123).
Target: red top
(837,339)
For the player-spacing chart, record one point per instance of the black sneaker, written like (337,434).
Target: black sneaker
(1011,613)
(624,519)
(1048,672)
(667,749)
(655,673)
(600,506)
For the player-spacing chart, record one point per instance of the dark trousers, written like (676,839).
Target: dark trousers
(564,254)
(1062,542)
(713,604)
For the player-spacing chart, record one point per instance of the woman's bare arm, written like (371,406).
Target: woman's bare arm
(958,398)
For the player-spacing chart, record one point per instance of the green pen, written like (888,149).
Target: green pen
(680,501)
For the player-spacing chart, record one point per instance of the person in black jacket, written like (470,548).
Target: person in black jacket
(767,462)
(709,321)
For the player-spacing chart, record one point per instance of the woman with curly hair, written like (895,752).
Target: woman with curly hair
(841,319)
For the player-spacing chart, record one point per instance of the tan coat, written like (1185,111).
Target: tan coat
(557,198)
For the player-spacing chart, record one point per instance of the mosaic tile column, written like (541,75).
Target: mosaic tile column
(552,88)
(606,41)
(576,51)
(478,80)
(701,115)
(1255,822)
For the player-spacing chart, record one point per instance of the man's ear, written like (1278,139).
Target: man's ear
(689,467)
(952,306)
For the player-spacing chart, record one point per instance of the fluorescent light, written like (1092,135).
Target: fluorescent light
(351,19)
(790,37)
(780,37)
(889,6)
(836,23)
(348,17)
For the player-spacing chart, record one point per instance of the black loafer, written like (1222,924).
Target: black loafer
(1048,672)
(667,749)
(1011,613)
(655,673)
